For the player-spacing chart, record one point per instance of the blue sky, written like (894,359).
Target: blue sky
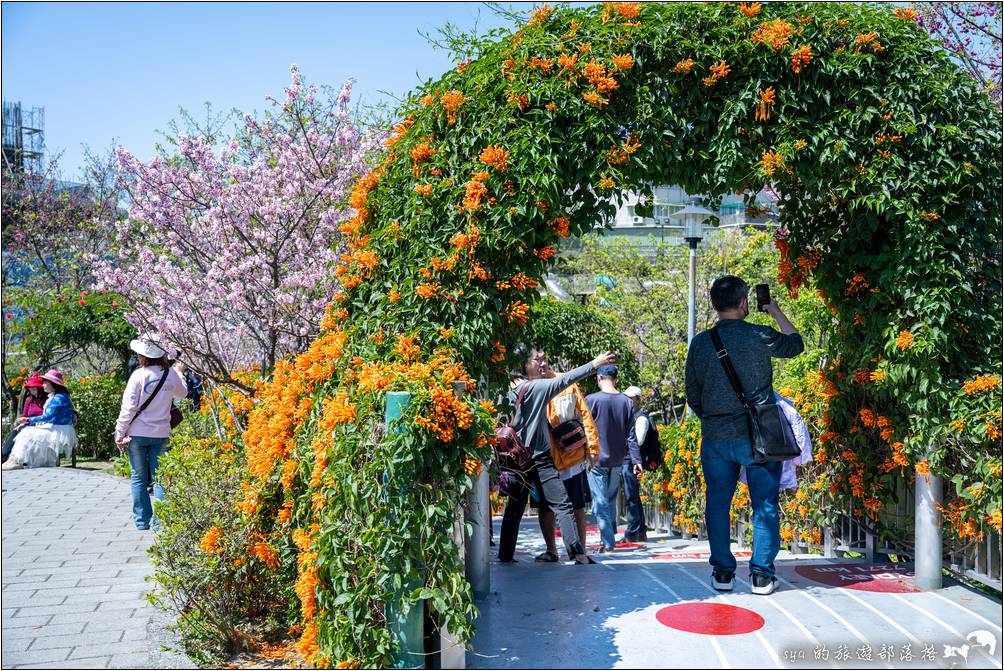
(118,71)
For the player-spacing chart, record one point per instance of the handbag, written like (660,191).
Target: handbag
(510,452)
(569,436)
(770,433)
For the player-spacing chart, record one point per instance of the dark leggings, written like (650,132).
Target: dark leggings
(552,489)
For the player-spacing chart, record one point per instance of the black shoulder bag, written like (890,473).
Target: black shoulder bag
(770,433)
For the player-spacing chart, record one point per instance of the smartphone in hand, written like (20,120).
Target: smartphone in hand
(762,296)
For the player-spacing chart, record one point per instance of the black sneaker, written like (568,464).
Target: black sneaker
(723,580)
(763,584)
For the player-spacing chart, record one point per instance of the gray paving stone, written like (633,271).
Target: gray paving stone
(119,605)
(128,661)
(21,621)
(57,609)
(105,619)
(120,648)
(40,585)
(89,663)
(72,592)
(34,657)
(89,594)
(48,630)
(72,640)
(16,644)
(23,599)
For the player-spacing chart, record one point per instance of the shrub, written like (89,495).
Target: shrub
(97,400)
(208,568)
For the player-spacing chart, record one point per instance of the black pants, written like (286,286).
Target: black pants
(552,489)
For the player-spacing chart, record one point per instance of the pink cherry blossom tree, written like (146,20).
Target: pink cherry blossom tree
(971,32)
(228,253)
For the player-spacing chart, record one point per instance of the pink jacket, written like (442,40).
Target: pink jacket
(32,406)
(155,421)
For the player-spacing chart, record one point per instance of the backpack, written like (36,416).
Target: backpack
(510,452)
(651,449)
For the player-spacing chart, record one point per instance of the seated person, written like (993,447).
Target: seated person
(34,400)
(45,437)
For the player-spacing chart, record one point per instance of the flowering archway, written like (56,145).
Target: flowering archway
(888,161)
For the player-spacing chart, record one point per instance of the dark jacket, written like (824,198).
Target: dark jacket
(750,348)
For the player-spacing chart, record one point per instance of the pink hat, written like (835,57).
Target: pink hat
(33,381)
(54,376)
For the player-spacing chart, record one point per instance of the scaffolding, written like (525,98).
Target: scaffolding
(23,138)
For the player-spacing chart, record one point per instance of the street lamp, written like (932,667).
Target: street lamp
(693,216)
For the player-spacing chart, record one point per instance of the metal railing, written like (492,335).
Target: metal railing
(887,537)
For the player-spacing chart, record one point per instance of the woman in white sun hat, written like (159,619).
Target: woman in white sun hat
(144,422)
(46,436)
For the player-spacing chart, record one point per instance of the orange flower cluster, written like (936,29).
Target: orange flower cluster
(499,354)
(770,162)
(623,61)
(981,384)
(878,376)
(596,74)
(627,10)
(406,347)
(775,34)
(958,519)
(420,153)
(906,13)
(750,8)
(868,418)
(400,130)
(867,39)
(289,469)
(594,99)
(862,376)
(447,413)
(930,216)
(540,15)
(516,312)
(719,71)
(619,154)
(495,156)
(265,553)
(357,201)
(684,66)
(767,99)
(424,190)
(284,402)
(427,290)
(452,102)
(800,58)
(393,295)
(471,466)
(904,340)
(519,281)
(560,226)
(520,100)
(545,253)
(542,64)
(210,542)
(476,191)
(856,285)
(335,412)
(882,138)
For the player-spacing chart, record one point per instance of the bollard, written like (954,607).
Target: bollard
(406,628)
(927,533)
(476,565)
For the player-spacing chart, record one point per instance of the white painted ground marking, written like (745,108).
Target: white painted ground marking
(848,592)
(837,616)
(963,608)
(714,642)
(944,624)
(795,621)
(770,650)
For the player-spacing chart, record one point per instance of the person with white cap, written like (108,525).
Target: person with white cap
(645,433)
(45,437)
(144,422)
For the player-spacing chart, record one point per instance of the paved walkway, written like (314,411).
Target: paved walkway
(653,607)
(73,576)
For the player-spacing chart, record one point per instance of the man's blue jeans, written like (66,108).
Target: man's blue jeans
(632,497)
(720,461)
(144,454)
(604,484)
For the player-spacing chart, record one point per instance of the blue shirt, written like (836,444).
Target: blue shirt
(58,410)
(613,414)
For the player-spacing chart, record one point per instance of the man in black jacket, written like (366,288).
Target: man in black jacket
(725,437)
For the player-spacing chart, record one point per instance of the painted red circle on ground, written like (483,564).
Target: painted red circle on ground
(711,619)
(621,546)
(894,578)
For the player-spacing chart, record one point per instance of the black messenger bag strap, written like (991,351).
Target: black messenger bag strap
(730,371)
